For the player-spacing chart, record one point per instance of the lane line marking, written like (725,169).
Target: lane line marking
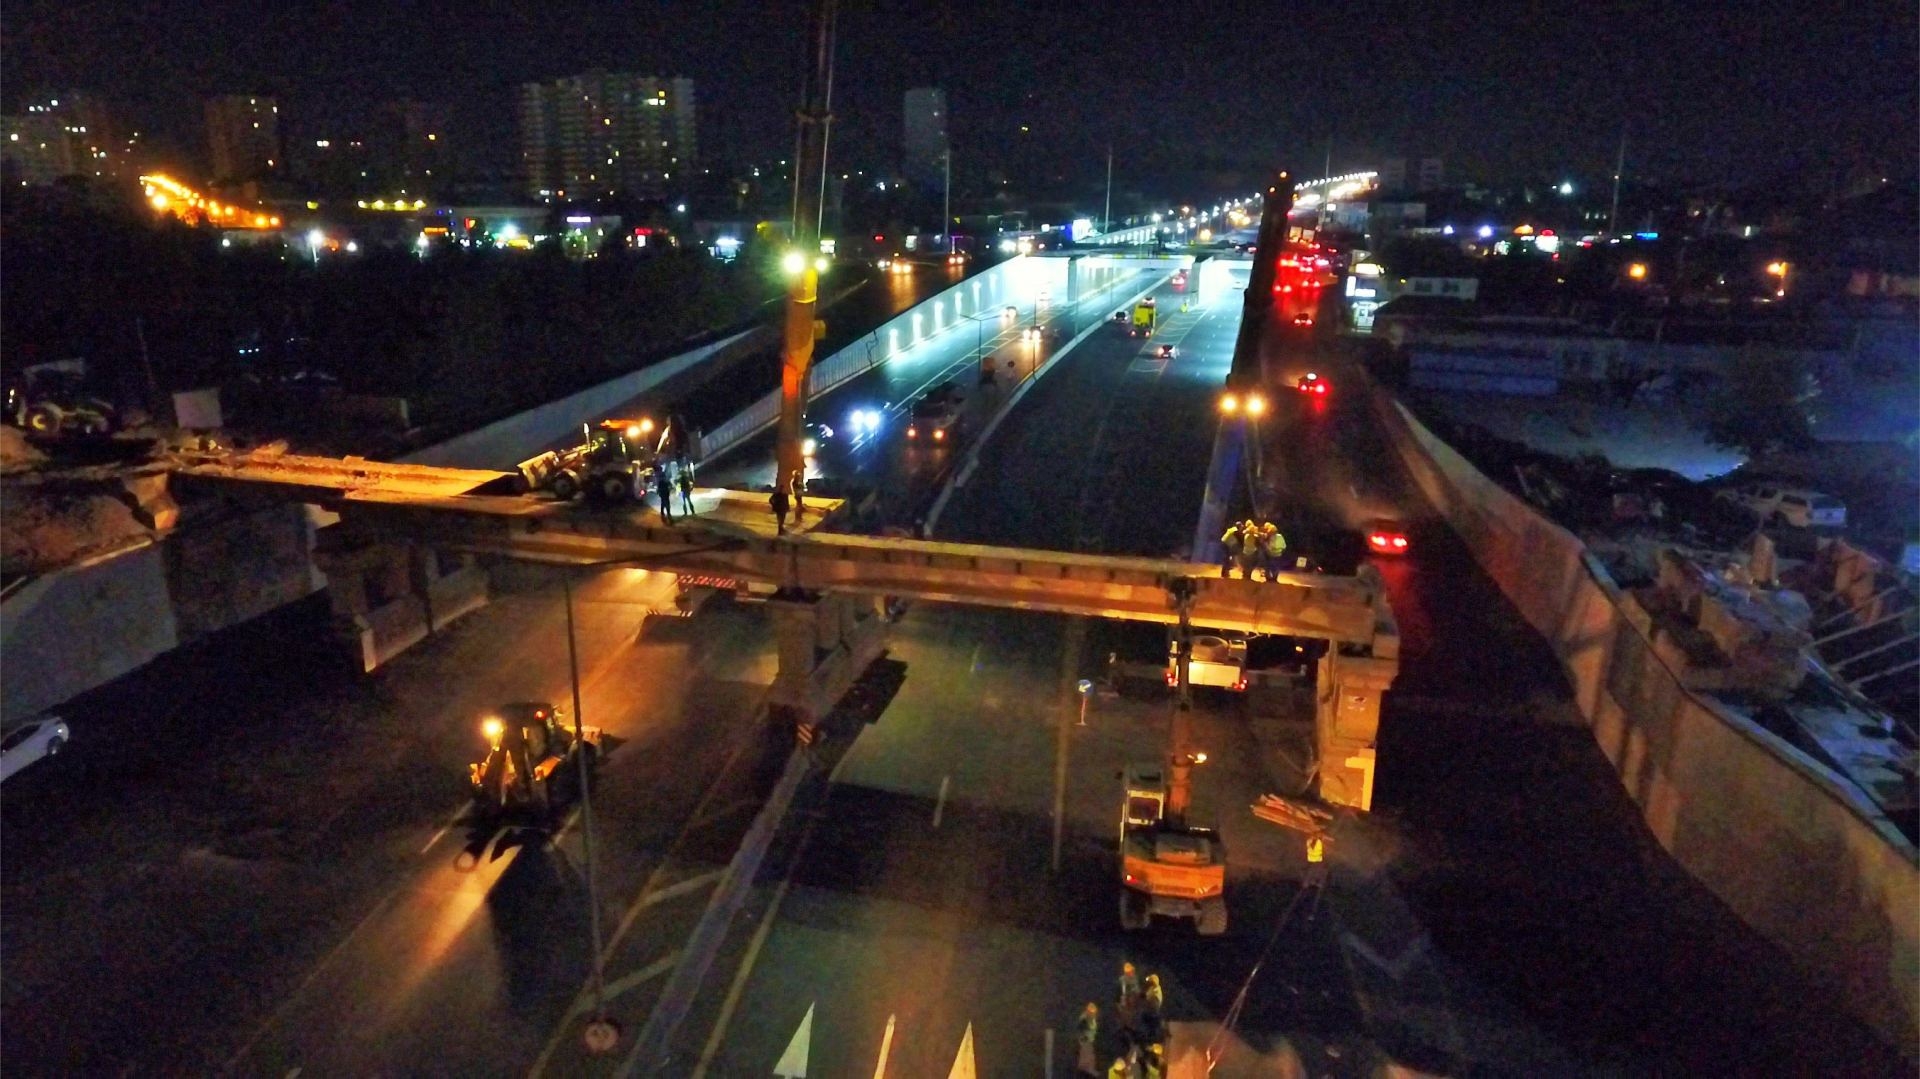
(560,1029)
(1069,668)
(940,804)
(761,931)
(444,829)
(1049,1052)
(640,977)
(691,884)
(886,1048)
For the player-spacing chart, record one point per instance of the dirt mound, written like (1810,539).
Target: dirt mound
(16,454)
(44,529)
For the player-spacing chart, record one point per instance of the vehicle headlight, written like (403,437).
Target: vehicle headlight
(808,447)
(493,729)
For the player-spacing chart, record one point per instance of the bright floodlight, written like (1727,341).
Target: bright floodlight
(793,262)
(1256,404)
(1229,404)
(316,238)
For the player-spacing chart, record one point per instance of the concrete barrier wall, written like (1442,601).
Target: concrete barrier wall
(505,443)
(1797,853)
(65,632)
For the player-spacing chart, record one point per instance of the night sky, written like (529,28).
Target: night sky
(1720,91)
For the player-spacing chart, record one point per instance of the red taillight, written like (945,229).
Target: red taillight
(1240,686)
(1173,679)
(1377,540)
(1319,387)
(1400,541)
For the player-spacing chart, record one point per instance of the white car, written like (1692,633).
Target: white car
(42,737)
(1795,506)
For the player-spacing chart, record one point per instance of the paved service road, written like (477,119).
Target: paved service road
(251,861)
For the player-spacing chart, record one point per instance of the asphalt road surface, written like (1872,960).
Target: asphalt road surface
(252,860)
(950,898)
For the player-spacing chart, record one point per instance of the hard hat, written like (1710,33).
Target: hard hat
(1126,968)
(1153,979)
(1157,1049)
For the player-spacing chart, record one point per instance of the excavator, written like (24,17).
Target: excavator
(1171,864)
(532,763)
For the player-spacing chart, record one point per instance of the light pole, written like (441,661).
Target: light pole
(946,210)
(601,1033)
(1106,215)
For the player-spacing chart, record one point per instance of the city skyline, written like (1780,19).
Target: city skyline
(1704,96)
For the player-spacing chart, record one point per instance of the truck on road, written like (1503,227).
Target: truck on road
(1145,317)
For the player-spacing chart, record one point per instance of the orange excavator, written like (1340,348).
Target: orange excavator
(1172,865)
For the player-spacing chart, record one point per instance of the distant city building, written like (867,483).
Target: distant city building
(409,148)
(1424,174)
(70,134)
(924,141)
(243,135)
(606,132)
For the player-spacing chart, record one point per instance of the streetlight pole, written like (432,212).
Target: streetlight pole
(1106,215)
(600,1033)
(946,211)
(1619,166)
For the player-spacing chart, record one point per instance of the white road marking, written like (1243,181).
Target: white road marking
(886,1048)
(444,829)
(692,883)
(638,978)
(940,803)
(793,1062)
(732,1000)
(1049,1052)
(963,1060)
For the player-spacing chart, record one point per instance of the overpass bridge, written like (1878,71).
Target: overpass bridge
(405,531)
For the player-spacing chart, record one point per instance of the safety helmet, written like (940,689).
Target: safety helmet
(1126,968)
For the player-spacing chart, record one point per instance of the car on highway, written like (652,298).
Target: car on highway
(1304,318)
(935,418)
(1122,316)
(1386,536)
(813,435)
(1311,383)
(44,736)
(1166,352)
(1774,504)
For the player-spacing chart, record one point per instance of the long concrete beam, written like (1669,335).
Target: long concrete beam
(734,536)
(732,539)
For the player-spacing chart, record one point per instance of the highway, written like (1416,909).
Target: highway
(1503,911)
(905,471)
(255,862)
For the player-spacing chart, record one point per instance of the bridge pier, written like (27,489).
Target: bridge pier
(388,595)
(824,641)
(1346,722)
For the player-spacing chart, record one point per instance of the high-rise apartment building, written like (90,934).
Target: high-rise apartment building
(69,134)
(606,132)
(243,134)
(924,141)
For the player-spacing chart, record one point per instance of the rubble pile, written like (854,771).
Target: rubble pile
(1724,631)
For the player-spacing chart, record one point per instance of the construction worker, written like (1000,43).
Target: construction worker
(779,504)
(1229,549)
(799,486)
(1086,1029)
(1155,1001)
(1249,547)
(1273,545)
(686,489)
(1153,1063)
(663,483)
(1120,1069)
(1129,994)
